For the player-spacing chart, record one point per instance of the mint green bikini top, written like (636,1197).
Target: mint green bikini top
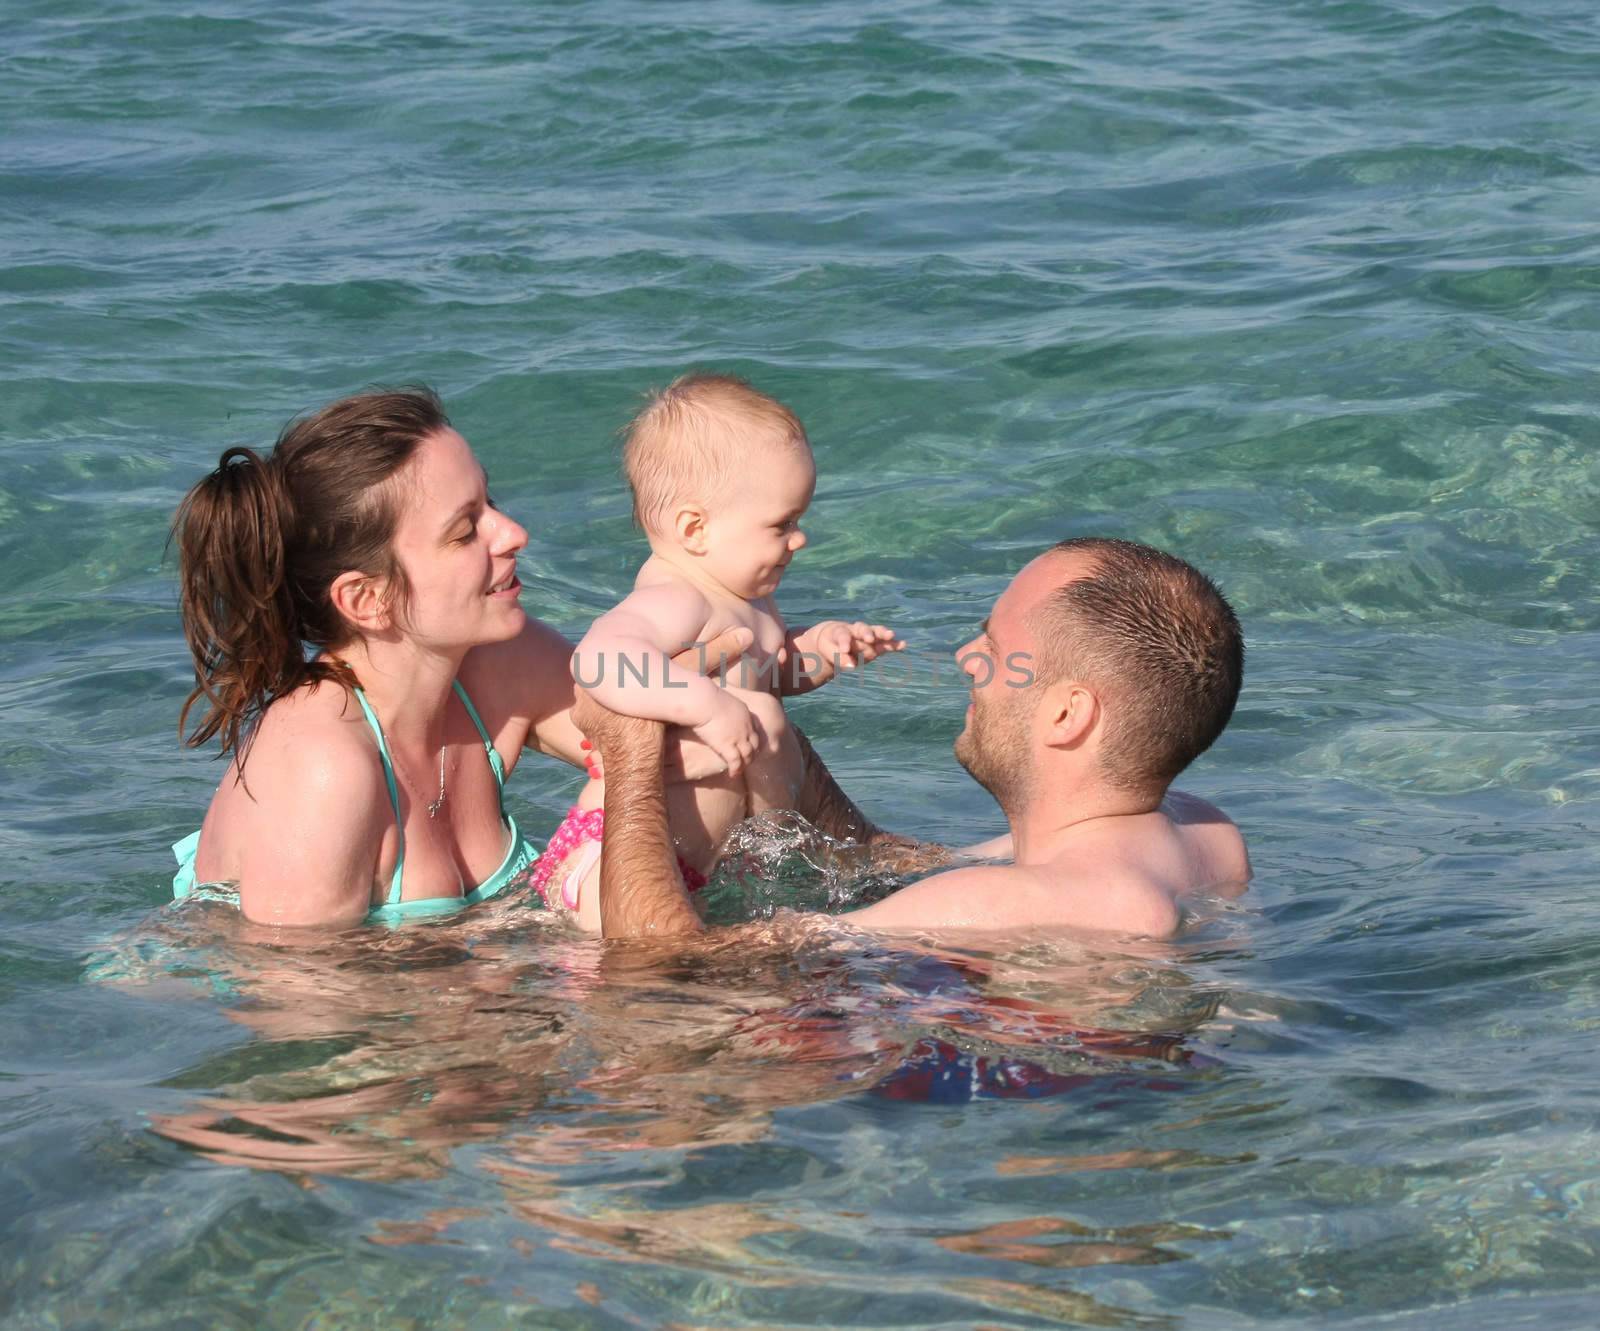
(520,852)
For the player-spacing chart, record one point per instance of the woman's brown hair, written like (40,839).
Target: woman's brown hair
(261,540)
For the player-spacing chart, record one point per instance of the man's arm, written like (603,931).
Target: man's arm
(827,808)
(641,893)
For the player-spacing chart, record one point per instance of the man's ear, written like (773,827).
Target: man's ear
(689,526)
(363,601)
(1071,711)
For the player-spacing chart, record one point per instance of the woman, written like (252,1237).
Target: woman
(350,602)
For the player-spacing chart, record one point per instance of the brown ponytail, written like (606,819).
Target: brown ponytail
(261,540)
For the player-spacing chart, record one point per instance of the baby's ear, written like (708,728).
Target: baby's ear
(689,526)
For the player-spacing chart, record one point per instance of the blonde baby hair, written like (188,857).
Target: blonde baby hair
(696,438)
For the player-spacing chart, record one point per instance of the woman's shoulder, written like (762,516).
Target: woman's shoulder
(312,741)
(311,767)
(325,707)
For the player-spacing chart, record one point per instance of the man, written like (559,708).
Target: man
(1104,669)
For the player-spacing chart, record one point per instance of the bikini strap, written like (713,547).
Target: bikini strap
(394,793)
(488,744)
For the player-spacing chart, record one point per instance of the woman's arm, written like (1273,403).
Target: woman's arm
(523,691)
(335,799)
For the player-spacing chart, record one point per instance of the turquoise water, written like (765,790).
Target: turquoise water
(1304,291)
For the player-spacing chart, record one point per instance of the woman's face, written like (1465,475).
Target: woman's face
(458,551)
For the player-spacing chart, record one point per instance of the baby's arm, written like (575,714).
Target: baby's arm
(623,663)
(815,655)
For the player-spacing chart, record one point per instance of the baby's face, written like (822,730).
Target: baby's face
(754,530)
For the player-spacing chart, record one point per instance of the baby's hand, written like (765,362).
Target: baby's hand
(854,644)
(730,731)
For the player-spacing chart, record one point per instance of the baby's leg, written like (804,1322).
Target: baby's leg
(700,814)
(774,774)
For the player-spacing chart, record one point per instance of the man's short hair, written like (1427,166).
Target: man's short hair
(1158,636)
(695,437)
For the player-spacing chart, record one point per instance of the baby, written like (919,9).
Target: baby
(721,475)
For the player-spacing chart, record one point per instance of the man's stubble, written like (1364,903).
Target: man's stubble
(996,745)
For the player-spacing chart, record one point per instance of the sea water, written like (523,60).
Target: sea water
(1305,291)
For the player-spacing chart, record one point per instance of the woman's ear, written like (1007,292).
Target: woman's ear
(689,526)
(363,601)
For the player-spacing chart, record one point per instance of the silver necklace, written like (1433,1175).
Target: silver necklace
(435,805)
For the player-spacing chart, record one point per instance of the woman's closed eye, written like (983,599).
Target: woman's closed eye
(475,521)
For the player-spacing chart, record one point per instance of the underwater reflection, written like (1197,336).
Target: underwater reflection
(374,1063)
(545,1087)
(379,1057)
(1076,1244)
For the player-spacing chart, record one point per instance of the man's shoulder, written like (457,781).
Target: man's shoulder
(964,898)
(1111,899)
(1215,846)
(1186,810)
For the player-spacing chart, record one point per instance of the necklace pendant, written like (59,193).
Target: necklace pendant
(435,805)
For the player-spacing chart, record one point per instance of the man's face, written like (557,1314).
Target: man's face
(996,745)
